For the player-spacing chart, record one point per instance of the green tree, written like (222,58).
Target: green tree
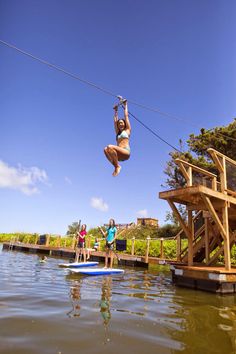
(222,139)
(168,230)
(72,228)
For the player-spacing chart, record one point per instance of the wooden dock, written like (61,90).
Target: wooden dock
(69,253)
(212,279)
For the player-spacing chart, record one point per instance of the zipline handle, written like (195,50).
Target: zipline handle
(121,101)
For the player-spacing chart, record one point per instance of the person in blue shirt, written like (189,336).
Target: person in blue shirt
(110,235)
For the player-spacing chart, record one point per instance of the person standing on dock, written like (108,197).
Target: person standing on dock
(81,243)
(110,235)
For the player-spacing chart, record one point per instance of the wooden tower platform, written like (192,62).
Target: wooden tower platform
(210,199)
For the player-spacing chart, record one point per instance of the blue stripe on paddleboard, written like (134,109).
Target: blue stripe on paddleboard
(78,265)
(97,271)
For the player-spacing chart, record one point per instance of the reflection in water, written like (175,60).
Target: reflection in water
(105,299)
(75,299)
(212,317)
(141,311)
(228,314)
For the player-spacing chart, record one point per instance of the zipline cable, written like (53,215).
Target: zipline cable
(58,68)
(154,133)
(42,61)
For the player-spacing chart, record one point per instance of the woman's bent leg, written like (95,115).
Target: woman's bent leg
(122,154)
(109,158)
(106,258)
(111,155)
(84,254)
(111,261)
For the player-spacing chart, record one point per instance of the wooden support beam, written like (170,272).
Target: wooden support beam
(133,246)
(223,178)
(214,215)
(161,248)
(187,229)
(220,161)
(47,240)
(184,171)
(190,174)
(147,249)
(227,240)
(178,247)
(180,219)
(207,252)
(214,154)
(220,251)
(214,184)
(190,241)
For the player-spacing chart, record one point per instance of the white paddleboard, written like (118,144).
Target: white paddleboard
(78,264)
(98,271)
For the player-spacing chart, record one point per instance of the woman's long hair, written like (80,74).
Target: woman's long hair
(112,223)
(118,128)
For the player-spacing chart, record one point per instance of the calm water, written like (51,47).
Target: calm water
(44,309)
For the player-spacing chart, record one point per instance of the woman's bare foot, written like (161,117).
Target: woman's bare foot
(117,171)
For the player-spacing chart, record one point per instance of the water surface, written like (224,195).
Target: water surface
(45,309)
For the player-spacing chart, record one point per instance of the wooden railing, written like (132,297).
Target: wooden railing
(187,170)
(220,161)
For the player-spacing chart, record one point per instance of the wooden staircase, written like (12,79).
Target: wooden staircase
(215,242)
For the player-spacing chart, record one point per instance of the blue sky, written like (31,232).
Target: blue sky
(175,56)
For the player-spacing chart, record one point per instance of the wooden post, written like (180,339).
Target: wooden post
(214,184)
(223,179)
(36,239)
(47,240)
(207,251)
(190,177)
(147,249)
(178,247)
(133,245)
(226,240)
(73,242)
(161,249)
(89,242)
(58,243)
(190,239)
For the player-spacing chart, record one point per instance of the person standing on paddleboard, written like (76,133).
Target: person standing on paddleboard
(81,243)
(110,235)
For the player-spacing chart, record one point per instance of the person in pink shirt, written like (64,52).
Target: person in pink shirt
(81,243)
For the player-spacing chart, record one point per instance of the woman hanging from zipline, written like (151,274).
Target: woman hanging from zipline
(121,151)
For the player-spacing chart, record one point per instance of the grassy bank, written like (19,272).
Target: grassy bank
(140,245)
(169,246)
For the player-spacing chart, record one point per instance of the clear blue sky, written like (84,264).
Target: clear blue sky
(176,56)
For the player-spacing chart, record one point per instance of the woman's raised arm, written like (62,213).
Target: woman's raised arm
(116,118)
(127,122)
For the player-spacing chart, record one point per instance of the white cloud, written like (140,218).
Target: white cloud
(21,178)
(142,213)
(99,204)
(68,180)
